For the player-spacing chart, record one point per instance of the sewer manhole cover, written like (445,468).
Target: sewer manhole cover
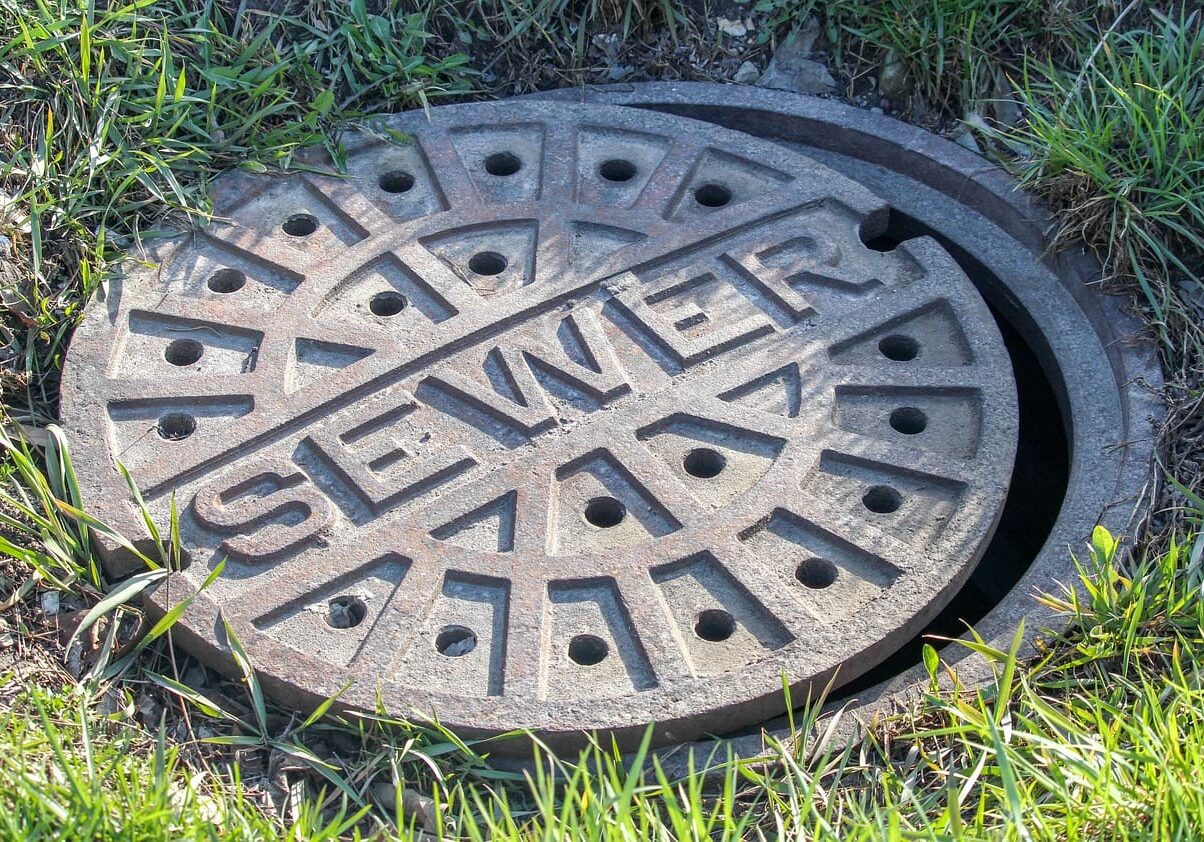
(552,416)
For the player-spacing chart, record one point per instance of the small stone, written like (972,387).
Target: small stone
(413,804)
(807,35)
(734,28)
(802,76)
(422,808)
(1007,111)
(111,703)
(967,141)
(460,647)
(1005,106)
(746,74)
(150,711)
(384,794)
(340,615)
(791,70)
(195,677)
(894,80)
(50,603)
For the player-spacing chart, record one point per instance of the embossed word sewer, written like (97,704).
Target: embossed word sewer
(550,416)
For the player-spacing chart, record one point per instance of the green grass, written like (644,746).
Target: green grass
(114,117)
(70,774)
(956,52)
(1102,736)
(1119,144)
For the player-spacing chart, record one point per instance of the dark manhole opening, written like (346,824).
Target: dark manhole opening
(1040,478)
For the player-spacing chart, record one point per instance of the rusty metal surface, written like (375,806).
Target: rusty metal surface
(556,416)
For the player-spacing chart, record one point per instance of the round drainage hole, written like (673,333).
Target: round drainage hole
(704,463)
(227,280)
(183,351)
(899,348)
(715,625)
(387,304)
(712,195)
(396,181)
(344,612)
(176,426)
(882,500)
(487,263)
(908,420)
(816,573)
(503,163)
(616,169)
(587,649)
(604,512)
(455,641)
(300,225)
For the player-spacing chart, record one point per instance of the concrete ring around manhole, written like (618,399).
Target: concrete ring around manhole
(1098,360)
(550,416)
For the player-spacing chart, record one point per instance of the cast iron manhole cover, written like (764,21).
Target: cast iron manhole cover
(552,416)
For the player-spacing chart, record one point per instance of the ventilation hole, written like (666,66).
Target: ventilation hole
(183,351)
(503,163)
(908,420)
(899,348)
(387,304)
(712,195)
(715,625)
(703,462)
(882,499)
(617,169)
(396,181)
(816,573)
(587,649)
(344,612)
(176,426)
(604,512)
(227,280)
(487,263)
(455,641)
(300,225)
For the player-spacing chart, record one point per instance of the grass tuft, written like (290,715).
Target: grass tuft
(1119,146)
(114,117)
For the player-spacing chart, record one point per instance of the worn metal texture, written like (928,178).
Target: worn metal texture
(1098,357)
(555,416)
